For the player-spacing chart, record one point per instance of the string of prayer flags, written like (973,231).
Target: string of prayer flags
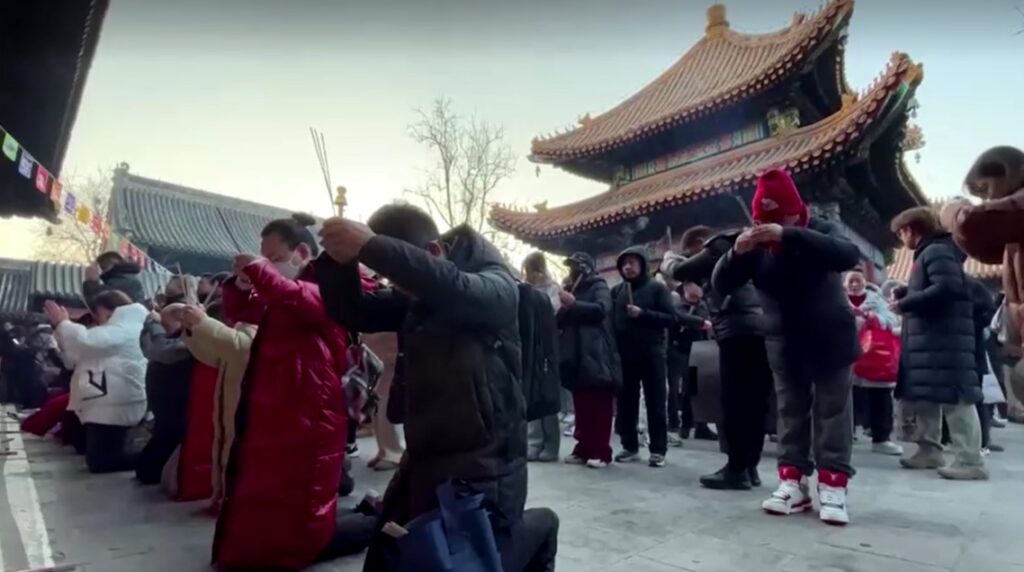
(10,147)
(96,224)
(56,190)
(70,204)
(26,164)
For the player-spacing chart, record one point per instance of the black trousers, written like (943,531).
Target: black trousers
(646,370)
(873,409)
(747,381)
(678,401)
(167,436)
(106,448)
(985,418)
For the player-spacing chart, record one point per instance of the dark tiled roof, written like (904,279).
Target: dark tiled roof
(805,149)
(153,213)
(723,68)
(64,281)
(15,283)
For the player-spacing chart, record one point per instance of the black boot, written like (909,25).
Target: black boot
(754,477)
(724,479)
(704,433)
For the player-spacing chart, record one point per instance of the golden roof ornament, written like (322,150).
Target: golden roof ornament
(849,98)
(585,120)
(717,23)
(913,138)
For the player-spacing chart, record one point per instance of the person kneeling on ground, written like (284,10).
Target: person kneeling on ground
(938,367)
(107,390)
(454,304)
(795,261)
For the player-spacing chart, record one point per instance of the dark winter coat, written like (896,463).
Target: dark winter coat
(465,414)
(809,327)
(689,326)
(938,363)
(123,277)
(736,314)
(647,333)
(168,376)
(984,311)
(589,357)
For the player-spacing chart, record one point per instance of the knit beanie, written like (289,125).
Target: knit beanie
(776,197)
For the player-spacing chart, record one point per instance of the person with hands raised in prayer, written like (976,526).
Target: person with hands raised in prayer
(796,263)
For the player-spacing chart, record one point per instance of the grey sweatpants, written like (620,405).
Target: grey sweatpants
(964,430)
(545,435)
(818,408)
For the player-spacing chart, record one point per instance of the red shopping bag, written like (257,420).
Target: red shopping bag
(880,357)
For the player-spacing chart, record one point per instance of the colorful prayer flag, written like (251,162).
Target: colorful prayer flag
(84,214)
(97,224)
(42,180)
(70,204)
(10,147)
(26,164)
(113,241)
(55,191)
(124,248)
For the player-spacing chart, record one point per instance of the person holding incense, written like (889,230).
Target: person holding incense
(642,312)
(590,365)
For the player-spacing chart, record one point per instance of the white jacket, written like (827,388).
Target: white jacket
(109,383)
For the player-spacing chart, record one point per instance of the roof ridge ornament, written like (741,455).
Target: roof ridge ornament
(717,22)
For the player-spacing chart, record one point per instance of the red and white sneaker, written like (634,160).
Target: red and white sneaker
(832,498)
(792,496)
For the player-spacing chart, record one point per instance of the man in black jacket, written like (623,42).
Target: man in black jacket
(590,366)
(454,305)
(642,311)
(796,262)
(113,272)
(939,361)
(746,378)
(691,325)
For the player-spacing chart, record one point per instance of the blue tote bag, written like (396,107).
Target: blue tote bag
(457,537)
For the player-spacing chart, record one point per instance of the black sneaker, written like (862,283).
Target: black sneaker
(656,461)
(754,477)
(704,433)
(625,456)
(727,480)
(352,450)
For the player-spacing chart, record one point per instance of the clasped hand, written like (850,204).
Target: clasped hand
(756,236)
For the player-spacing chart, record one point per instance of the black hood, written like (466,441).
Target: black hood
(121,269)
(470,251)
(641,253)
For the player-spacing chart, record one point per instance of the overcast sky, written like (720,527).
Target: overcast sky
(218,95)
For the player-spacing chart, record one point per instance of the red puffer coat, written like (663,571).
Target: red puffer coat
(288,455)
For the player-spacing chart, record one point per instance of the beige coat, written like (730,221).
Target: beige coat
(227,349)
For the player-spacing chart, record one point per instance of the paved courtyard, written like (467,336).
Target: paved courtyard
(625,518)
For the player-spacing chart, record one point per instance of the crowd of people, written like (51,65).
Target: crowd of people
(249,381)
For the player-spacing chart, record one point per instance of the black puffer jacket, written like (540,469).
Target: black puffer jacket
(809,328)
(690,317)
(736,314)
(647,333)
(938,363)
(590,359)
(984,311)
(123,277)
(461,365)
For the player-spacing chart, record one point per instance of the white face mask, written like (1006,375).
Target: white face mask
(289,268)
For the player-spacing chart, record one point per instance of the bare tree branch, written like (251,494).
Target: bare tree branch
(71,241)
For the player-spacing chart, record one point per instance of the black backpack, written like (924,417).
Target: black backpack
(538,333)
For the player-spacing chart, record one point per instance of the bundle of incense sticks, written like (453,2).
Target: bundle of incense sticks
(629,293)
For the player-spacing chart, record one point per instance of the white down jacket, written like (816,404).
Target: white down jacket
(108,385)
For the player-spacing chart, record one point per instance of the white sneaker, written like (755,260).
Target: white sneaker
(569,430)
(792,495)
(674,440)
(887,448)
(832,498)
(596,464)
(574,460)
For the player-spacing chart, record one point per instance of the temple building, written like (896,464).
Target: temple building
(687,148)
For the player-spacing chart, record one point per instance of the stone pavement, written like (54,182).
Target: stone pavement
(624,518)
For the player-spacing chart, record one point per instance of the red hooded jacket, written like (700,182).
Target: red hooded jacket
(287,459)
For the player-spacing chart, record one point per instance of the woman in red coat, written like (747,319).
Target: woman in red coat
(288,455)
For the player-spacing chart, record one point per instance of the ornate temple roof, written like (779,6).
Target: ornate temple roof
(903,260)
(724,67)
(803,149)
(154,213)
